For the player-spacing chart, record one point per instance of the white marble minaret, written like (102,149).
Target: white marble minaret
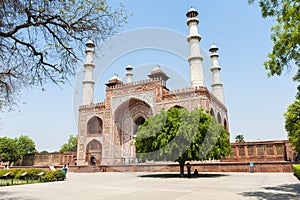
(88,82)
(217,84)
(129,74)
(195,58)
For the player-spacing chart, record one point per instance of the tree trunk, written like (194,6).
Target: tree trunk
(181,165)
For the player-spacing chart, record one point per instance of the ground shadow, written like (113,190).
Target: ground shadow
(4,195)
(288,191)
(177,175)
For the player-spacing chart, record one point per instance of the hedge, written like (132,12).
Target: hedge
(51,176)
(32,174)
(297,171)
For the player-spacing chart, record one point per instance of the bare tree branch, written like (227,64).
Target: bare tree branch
(42,40)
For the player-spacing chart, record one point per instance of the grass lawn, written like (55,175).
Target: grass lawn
(8,182)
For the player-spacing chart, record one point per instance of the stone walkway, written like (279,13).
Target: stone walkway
(132,186)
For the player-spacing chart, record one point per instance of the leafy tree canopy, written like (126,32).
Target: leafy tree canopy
(180,135)
(239,138)
(292,124)
(285,36)
(12,150)
(40,40)
(285,52)
(70,146)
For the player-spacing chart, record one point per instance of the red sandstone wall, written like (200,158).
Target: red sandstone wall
(259,151)
(48,159)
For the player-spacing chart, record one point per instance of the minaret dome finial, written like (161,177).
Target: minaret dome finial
(192,13)
(90,44)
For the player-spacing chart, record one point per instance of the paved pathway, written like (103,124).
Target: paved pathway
(132,186)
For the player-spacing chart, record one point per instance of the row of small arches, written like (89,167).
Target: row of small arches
(95,124)
(218,118)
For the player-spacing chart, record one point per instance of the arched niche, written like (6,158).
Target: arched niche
(212,113)
(219,118)
(225,124)
(94,126)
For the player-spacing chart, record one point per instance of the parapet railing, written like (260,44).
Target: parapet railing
(121,85)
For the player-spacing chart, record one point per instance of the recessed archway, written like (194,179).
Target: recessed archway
(219,118)
(94,126)
(212,113)
(225,124)
(127,117)
(94,152)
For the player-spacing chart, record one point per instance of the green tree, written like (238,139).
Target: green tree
(41,40)
(25,145)
(12,150)
(70,146)
(286,50)
(285,36)
(292,124)
(180,135)
(239,138)
(8,150)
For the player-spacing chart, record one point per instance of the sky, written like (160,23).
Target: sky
(255,102)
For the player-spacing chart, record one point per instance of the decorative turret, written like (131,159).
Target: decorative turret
(88,82)
(129,73)
(195,58)
(217,84)
(114,81)
(157,72)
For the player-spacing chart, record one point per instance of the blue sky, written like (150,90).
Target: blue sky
(255,102)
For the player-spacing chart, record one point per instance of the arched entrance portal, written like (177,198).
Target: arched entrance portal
(94,152)
(128,116)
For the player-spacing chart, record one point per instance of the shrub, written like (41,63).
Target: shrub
(51,176)
(2,172)
(18,173)
(59,175)
(33,173)
(48,177)
(297,170)
(14,172)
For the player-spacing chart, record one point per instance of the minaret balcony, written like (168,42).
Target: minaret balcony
(217,84)
(191,58)
(190,20)
(88,82)
(215,54)
(88,50)
(86,65)
(215,68)
(190,37)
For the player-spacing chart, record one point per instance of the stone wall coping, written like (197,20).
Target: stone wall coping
(132,84)
(259,142)
(189,90)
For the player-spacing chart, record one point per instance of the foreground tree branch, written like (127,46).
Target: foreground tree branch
(41,40)
(285,36)
(285,54)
